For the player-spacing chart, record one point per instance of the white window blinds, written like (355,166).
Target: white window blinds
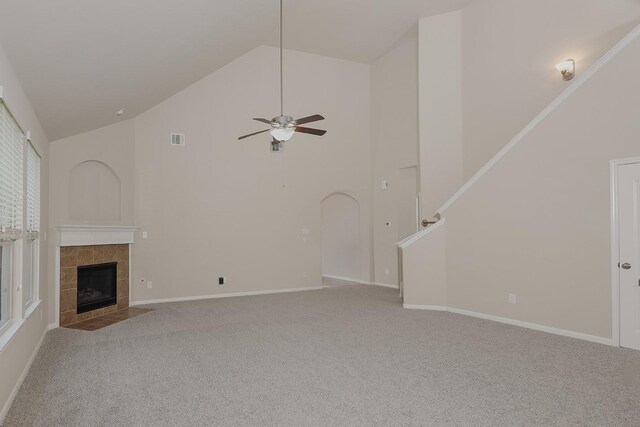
(11,156)
(33,193)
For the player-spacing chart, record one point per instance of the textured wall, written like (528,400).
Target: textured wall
(93,177)
(538,223)
(231,208)
(440,64)
(510,48)
(394,139)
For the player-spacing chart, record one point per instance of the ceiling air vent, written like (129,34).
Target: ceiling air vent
(178,139)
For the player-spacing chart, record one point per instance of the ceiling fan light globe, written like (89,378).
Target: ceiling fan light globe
(282,134)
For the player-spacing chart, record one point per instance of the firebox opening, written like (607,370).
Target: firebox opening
(97,286)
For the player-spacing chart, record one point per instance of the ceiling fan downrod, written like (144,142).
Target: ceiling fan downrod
(284,127)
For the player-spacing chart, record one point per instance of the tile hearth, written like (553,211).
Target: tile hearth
(96,323)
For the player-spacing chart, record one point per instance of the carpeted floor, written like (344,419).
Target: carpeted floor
(347,355)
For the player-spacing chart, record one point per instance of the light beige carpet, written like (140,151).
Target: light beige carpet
(348,355)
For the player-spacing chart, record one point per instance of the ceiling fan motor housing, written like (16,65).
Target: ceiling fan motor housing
(283,122)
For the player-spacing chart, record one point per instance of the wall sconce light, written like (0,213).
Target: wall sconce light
(567,68)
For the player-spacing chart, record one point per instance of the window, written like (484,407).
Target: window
(11,207)
(32,245)
(11,181)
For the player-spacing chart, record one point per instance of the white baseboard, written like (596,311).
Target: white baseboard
(358,281)
(23,375)
(346,279)
(384,285)
(229,295)
(425,307)
(505,320)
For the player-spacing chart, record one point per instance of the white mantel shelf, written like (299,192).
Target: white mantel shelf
(86,235)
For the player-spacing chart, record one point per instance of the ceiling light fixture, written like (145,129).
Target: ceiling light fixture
(283,134)
(120,112)
(567,69)
(284,127)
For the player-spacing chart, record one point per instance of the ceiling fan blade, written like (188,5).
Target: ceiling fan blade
(263,120)
(318,132)
(314,118)
(251,134)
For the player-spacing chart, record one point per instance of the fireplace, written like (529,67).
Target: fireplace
(86,245)
(97,286)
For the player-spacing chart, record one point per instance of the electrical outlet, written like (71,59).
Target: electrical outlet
(512,298)
(145,235)
(220,280)
(149,284)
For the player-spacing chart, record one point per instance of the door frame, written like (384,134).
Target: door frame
(615,247)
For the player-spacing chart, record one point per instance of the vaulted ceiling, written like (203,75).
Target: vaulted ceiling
(82,60)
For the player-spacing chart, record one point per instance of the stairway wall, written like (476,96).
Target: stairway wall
(509,51)
(538,224)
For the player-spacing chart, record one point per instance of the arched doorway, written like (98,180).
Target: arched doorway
(341,252)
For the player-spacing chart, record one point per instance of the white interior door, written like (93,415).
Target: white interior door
(629,226)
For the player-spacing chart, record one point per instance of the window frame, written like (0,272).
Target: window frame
(6,277)
(31,274)
(31,238)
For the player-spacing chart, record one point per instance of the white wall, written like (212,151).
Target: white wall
(537,224)
(224,207)
(340,234)
(406,189)
(113,147)
(510,48)
(394,138)
(440,59)
(16,355)
(231,208)
(424,271)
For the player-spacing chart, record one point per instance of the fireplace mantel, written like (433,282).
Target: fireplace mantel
(85,235)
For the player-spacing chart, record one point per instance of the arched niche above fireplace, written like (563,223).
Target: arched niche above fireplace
(94,193)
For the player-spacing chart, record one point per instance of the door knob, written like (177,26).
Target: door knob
(626,266)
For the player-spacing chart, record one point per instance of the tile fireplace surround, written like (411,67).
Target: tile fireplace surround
(72,257)
(79,246)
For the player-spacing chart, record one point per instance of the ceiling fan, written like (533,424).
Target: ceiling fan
(284,127)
